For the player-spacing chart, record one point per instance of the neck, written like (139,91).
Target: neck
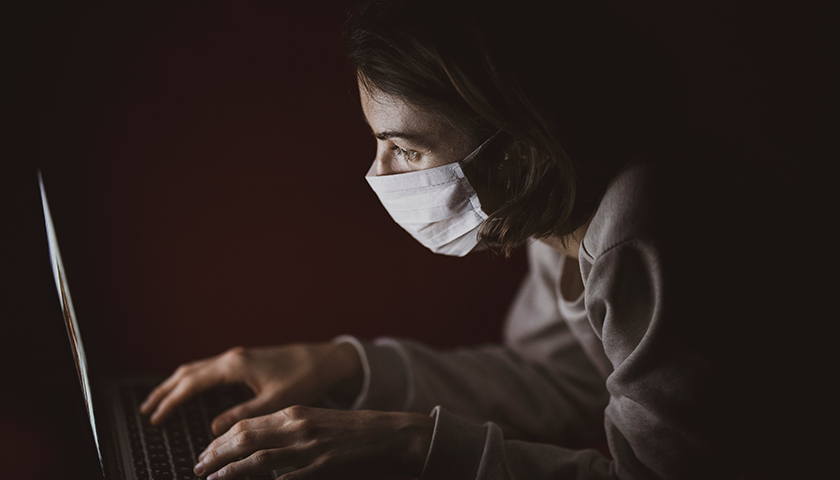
(573,241)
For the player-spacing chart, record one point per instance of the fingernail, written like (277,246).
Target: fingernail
(199,468)
(214,476)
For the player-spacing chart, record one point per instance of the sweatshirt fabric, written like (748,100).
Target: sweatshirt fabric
(569,372)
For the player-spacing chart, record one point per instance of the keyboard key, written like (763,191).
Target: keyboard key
(162,474)
(172,448)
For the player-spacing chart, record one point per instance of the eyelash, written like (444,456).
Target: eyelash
(403,153)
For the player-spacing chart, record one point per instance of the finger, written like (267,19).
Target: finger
(241,441)
(159,392)
(256,423)
(226,437)
(213,366)
(259,462)
(183,390)
(255,407)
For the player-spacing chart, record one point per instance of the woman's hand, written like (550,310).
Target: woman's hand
(279,376)
(322,444)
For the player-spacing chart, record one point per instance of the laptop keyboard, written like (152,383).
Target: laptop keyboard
(170,451)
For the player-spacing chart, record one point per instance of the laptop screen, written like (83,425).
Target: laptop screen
(69,317)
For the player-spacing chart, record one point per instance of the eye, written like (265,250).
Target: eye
(404,154)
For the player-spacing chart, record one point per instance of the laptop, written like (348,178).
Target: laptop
(128,446)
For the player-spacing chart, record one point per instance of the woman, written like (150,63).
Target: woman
(499,127)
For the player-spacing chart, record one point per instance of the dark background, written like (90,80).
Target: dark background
(204,163)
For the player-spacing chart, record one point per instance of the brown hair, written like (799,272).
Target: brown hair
(576,91)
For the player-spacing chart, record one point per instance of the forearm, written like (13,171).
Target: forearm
(349,371)
(530,401)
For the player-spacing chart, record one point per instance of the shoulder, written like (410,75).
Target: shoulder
(624,214)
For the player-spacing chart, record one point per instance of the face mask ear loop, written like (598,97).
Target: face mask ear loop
(469,158)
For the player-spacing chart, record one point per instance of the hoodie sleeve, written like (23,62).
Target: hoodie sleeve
(653,420)
(540,385)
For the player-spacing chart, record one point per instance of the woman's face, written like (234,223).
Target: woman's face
(409,138)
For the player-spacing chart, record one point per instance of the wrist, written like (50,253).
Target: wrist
(348,369)
(415,431)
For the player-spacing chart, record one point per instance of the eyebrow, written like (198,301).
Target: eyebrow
(392,134)
(417,139)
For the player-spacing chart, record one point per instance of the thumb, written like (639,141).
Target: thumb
(259,405)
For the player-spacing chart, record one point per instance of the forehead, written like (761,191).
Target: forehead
(412,126)
(388,112)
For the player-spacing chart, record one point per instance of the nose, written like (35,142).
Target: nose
(382,168)
(387,166)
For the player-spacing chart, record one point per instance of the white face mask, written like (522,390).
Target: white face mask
(437,206)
